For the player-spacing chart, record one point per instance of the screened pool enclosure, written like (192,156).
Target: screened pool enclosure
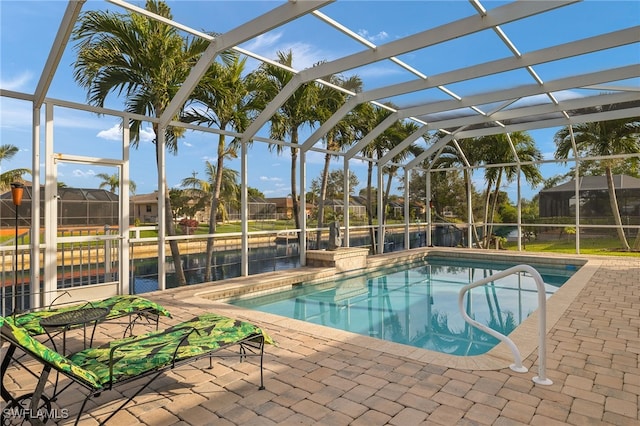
(466,73)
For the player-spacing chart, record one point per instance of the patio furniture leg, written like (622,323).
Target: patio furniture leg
(124,403)
(3,369)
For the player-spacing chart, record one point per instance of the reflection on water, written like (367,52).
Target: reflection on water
(280,256)
(226,264)
(417,306)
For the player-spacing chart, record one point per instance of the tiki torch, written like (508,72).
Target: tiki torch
(17,189)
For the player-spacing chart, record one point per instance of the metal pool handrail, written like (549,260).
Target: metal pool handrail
(542,323)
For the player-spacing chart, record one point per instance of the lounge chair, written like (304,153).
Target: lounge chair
(127,359)
(134,307)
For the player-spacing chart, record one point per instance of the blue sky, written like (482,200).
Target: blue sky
(29,27)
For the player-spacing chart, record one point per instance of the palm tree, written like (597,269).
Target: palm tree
(496,149)
(224,94)
(7,151)
(342,135)
(396,134)
(463,153)
(603,138)
(387,140)
(201,189)
(296,112)
(368,117)
(146,61)
(113,182)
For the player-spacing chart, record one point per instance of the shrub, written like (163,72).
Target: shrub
(188,225)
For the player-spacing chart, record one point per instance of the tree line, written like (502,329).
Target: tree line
(145,62)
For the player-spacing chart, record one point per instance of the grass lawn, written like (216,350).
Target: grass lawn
(594,246)
(599,246)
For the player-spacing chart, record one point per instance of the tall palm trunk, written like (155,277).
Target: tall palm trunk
(485,226)
(467,181)
(323,195)
(636,243)
(295,204)
(294,187)
(385,198)
(494,204)
(208,275)
(374,246)
(181,280)
(613,201)
(385,203)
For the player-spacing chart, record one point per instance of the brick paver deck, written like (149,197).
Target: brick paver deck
(313,378)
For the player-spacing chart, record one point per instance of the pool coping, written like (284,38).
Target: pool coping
(525,336)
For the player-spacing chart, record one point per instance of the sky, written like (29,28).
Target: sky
(28,29)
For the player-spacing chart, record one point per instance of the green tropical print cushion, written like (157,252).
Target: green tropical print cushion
(19,336)
(119,306)
(156,350)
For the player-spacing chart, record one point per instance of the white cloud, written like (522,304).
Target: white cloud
(147,135)
(15,114)
(268,45)
(381,36)
(275,192)
(270,179)
(378,71)
(112,134)
(115,134)
(304,55)
(315,157)
(83,173)
(263,42)
(17,83)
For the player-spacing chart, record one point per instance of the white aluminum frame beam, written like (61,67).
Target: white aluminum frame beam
(573,82)
(272,19)
(527,112)
(55,54)
(598,77)
(500,15)
(585,118)
(550,54)
(559,122)
(377,131)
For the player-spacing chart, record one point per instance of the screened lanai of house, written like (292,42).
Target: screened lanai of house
(455,70)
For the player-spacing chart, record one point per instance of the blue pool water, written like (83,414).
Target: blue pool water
(417,305)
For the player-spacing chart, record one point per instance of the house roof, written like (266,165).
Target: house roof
(70,194)
(596,183)
(151,198)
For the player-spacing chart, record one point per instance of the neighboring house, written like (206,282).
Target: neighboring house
(396,209)
(76,207)
(356,209)
(259,209)
(144,208)
(284,207)
(594,197)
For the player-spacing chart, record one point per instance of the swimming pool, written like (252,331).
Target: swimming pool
(416,305)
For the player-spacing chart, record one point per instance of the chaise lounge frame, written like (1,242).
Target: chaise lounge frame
(136,308)
(130,358)
(131,306)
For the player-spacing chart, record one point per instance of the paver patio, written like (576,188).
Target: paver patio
(315,379)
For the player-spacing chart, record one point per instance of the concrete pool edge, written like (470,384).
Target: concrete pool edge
(525,336)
